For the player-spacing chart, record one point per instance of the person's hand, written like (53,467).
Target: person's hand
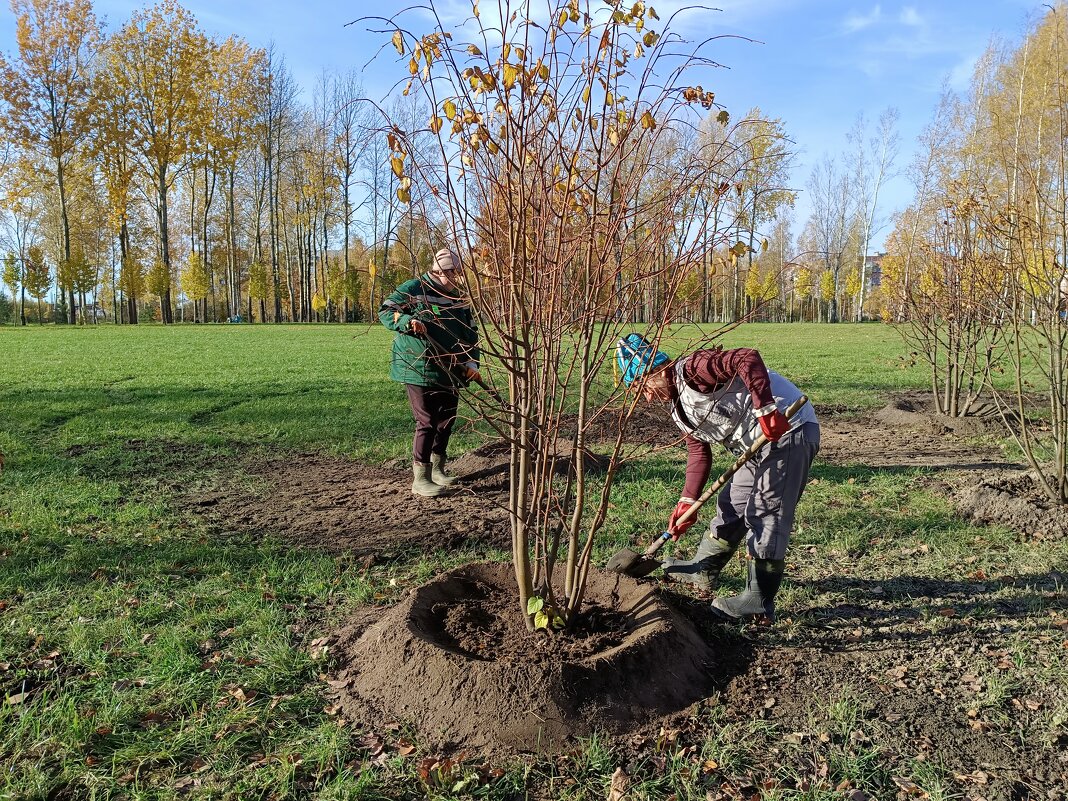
(417,327)
(675,528)
(471,372)
(774,425)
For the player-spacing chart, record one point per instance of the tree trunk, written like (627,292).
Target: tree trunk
(166,311)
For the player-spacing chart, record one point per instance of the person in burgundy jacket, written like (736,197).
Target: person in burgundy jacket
(729,397)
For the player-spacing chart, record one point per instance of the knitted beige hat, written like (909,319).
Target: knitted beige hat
(445,261)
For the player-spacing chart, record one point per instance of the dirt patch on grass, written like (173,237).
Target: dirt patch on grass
(1016,500)
(455,662)
(336,504)
(957,702)
(908,433)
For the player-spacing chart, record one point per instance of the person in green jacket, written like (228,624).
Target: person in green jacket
(435,352)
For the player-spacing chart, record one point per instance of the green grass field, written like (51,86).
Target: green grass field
(143,658)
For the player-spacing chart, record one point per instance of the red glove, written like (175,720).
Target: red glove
(675,528)
(774,424)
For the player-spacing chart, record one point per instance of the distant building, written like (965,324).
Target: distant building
(873,268)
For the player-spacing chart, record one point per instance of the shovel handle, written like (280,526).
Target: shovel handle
(718,484)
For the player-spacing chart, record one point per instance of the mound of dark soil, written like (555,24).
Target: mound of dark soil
(906,434)
(1014,500)
(917,410)
(455,662)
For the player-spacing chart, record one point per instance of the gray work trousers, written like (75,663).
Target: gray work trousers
(761,498)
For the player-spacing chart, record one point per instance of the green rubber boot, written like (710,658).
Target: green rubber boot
(703,570)
(437,473)
(422,484)
(757,602)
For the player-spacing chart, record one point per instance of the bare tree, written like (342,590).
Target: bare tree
(873,163)
(567,169)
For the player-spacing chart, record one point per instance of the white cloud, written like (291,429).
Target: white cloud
(858,22)
(911,17)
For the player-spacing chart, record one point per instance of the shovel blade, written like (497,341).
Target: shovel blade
(631,563)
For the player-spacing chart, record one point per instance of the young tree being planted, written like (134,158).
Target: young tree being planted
(572,171)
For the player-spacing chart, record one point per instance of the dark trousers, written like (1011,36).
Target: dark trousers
(434,409)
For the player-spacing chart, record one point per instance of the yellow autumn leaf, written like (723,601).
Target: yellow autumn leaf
(450,109)
(492,147)
(509,74)
(650,38)
(648,122)
(586,95)
(398,41)
(763,246)
(398,166)
(474,50)
(403,195)
(543,72)
(435,123)
(413,68)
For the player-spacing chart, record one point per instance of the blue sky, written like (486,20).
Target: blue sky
(815,65)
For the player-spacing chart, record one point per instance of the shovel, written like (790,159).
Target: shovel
(631,563)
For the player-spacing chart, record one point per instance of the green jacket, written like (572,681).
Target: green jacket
(450,325)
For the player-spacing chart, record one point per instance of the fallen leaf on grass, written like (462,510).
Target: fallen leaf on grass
(978,777)
(277,699)
(18,698)
(150,719)
(620,783)
(910,788)
(187,781)
(947,611)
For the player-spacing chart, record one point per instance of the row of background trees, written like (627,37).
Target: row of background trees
(976,266)
(157,170)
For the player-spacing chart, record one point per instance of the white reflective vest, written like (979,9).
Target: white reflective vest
(726,415)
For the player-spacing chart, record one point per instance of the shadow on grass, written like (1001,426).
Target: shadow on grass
(906,599)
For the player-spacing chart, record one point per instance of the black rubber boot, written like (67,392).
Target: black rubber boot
(713,554)
(437,473)
(703,570)
(757,602)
